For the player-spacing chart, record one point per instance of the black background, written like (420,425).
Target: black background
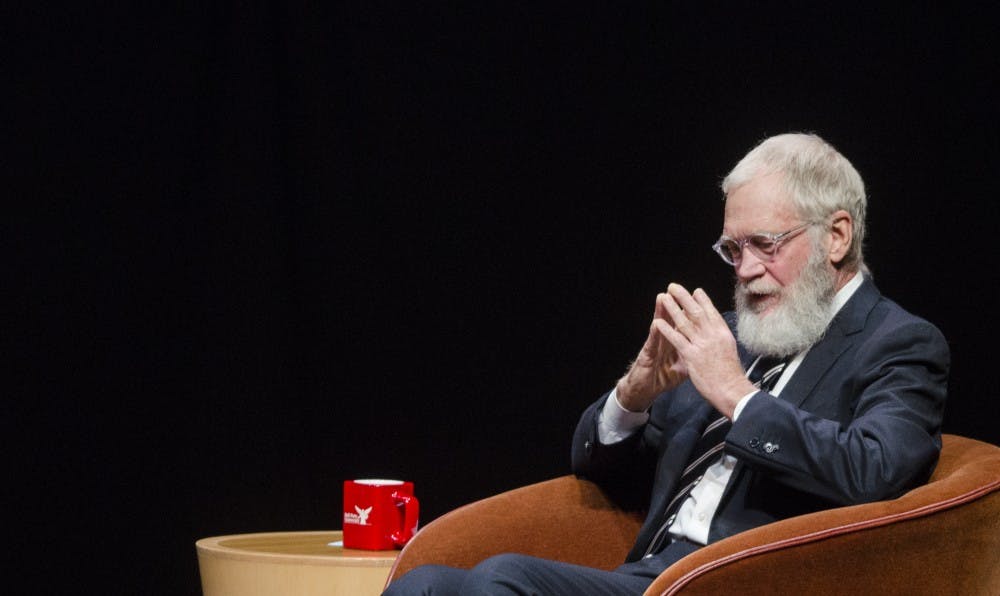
(262,249)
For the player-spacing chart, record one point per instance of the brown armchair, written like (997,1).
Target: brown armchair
(940,538)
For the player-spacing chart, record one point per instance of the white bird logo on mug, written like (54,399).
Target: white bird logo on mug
(363,514)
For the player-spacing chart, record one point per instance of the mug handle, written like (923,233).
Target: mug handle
(411,515)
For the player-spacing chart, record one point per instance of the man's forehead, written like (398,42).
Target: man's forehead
(760,205)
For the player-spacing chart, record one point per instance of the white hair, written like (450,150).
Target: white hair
(818,179)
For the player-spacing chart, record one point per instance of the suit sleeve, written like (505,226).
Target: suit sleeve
(886,441)
(623,469)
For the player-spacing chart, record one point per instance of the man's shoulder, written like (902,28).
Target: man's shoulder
(872,310)
(889,314)
(889,326)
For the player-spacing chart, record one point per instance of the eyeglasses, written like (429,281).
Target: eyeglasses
(764,246)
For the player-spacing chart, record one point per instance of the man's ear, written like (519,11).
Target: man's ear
(841,235)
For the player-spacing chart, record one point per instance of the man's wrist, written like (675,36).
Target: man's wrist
(616,422)
(627,399)
(733,396)
(740,405)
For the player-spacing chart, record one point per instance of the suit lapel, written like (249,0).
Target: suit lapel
(839,336)
(820,358)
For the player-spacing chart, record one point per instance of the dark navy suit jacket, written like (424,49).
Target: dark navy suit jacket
(858,421)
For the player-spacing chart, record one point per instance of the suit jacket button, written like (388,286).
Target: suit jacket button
(771,447)
(588,446)
(754,442)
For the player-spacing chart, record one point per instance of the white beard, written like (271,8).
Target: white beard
(797,321)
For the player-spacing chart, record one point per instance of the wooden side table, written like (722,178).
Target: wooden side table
(293,563)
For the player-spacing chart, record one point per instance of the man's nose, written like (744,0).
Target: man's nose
(748,266)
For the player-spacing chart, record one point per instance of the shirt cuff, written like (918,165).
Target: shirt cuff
(743,403)
(615,423)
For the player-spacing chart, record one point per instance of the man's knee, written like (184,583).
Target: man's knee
(427,580)
(504,563)
(496,575)
(501,574)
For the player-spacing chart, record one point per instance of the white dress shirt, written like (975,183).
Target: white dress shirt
(694,518)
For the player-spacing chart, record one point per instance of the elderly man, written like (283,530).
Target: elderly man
(817,392)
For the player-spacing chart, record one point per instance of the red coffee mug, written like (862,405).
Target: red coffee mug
(379,514)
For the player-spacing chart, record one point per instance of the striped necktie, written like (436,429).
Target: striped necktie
(707,450)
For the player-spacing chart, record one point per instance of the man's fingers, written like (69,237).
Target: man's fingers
(706,304)
(678,318)
(691,307)
(662,312)
(696,307)
(674,334)
(667,332)
(681,315)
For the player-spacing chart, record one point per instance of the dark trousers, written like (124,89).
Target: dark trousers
(511,574)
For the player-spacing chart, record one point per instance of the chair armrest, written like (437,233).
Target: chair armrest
(566,519)
(943,537)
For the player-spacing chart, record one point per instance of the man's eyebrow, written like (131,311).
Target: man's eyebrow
(754,233)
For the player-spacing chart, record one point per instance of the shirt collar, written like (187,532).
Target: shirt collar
(844,294)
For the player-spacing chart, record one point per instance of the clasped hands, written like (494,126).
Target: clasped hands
(688,339)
